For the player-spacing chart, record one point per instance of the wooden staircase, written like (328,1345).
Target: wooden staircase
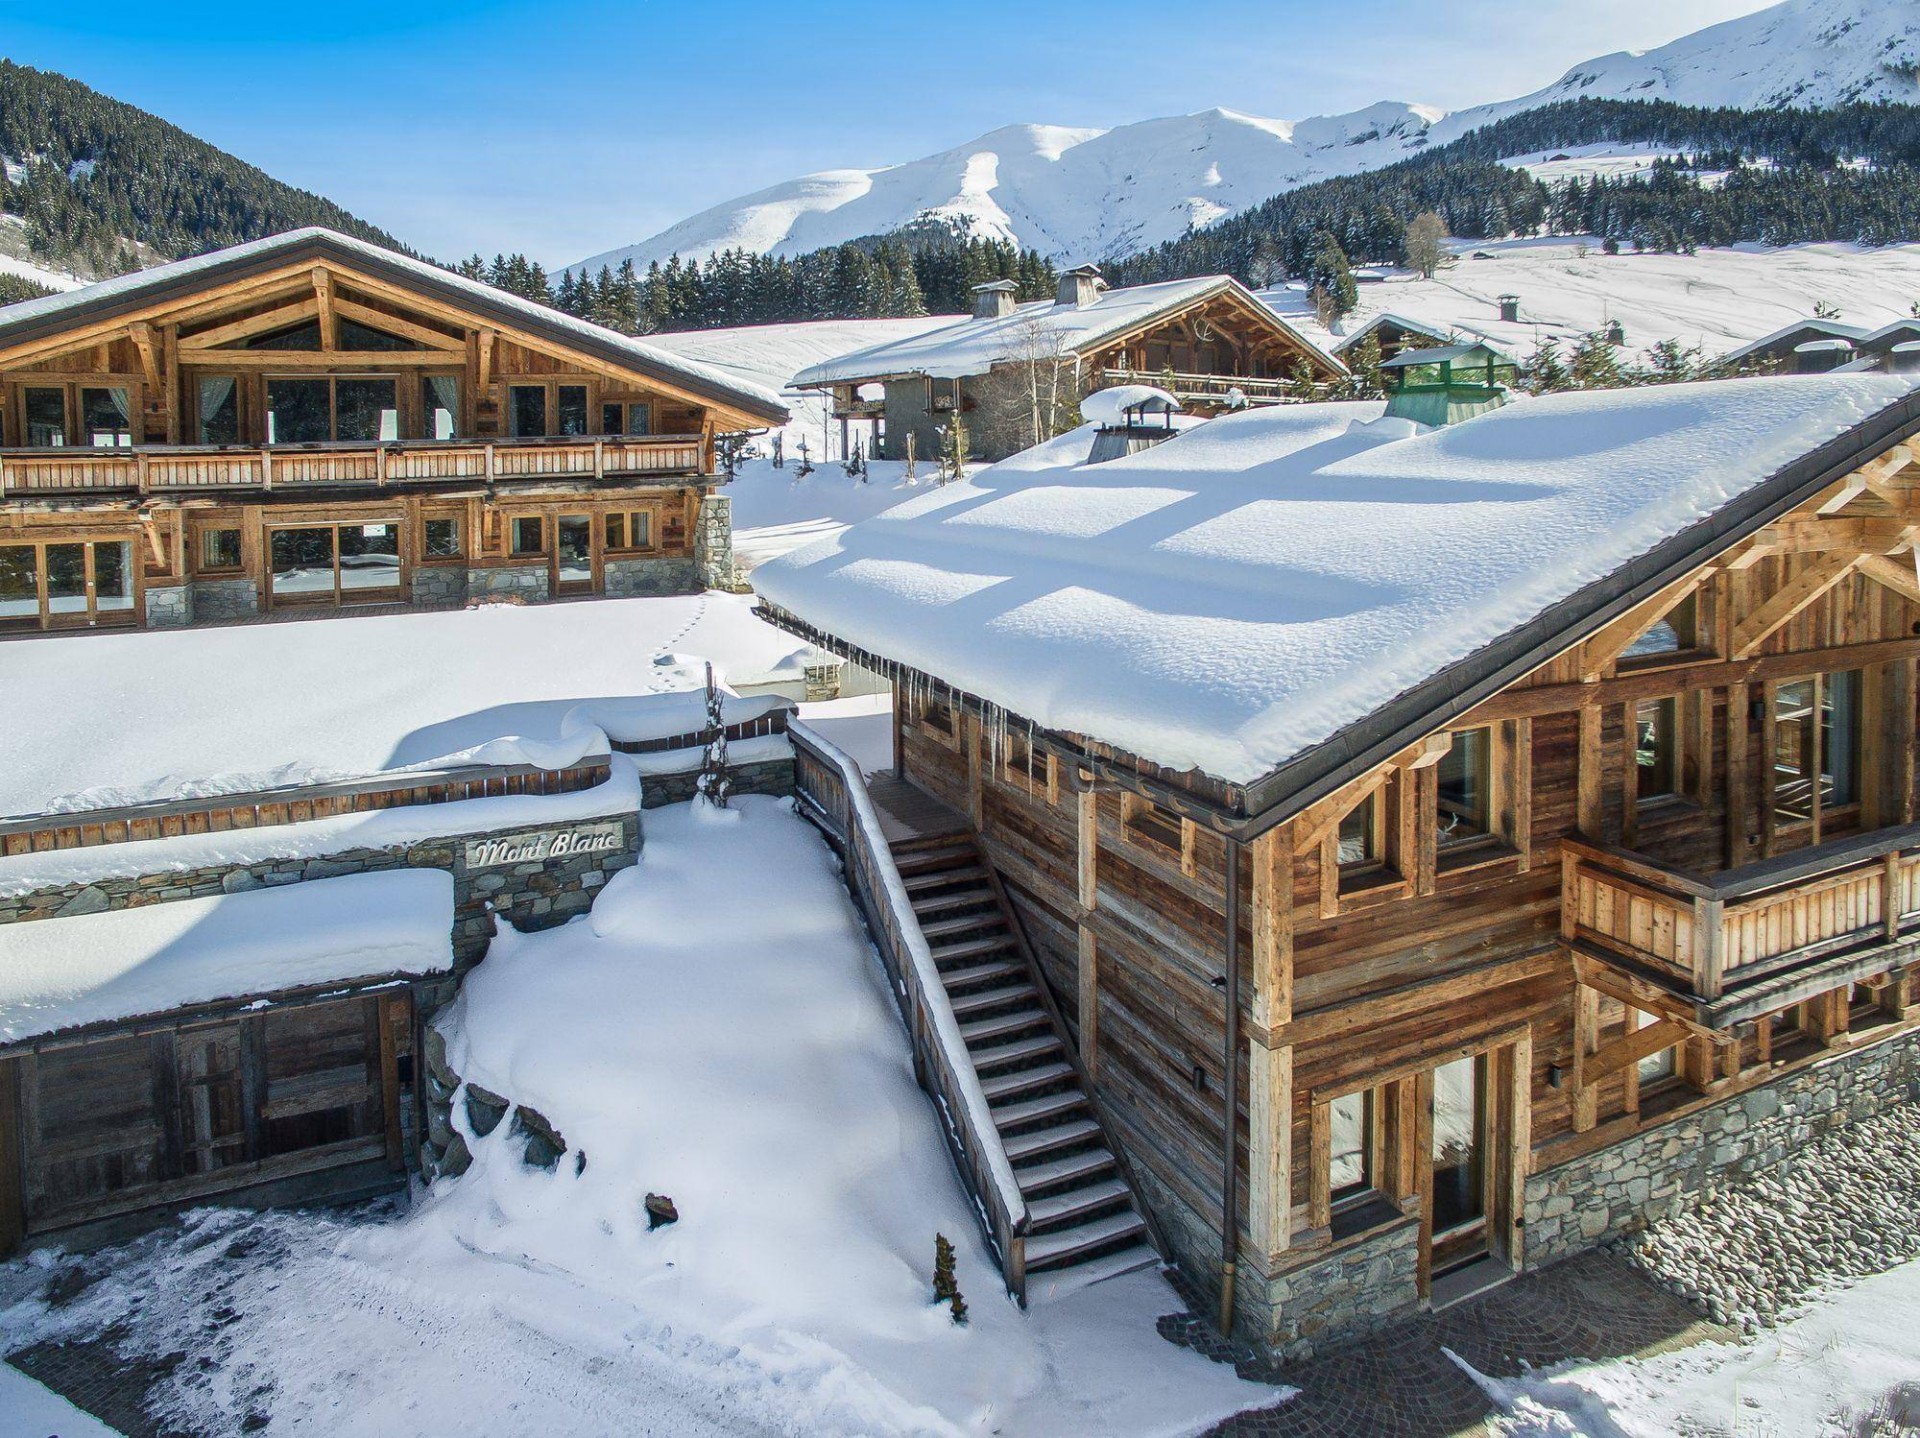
(1084,1224)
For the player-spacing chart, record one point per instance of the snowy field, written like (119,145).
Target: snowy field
(793,1294)
(1718,299)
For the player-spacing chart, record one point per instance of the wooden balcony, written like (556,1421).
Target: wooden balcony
(1209,389)
(1749,940)
(176,469)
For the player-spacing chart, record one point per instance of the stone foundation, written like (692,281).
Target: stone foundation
(536,894)
(713,544)
(217,599)
(170,607)
(768,776)
(527,581)
(1354,1289)
(438,586)
(1621,1189)
(647,578)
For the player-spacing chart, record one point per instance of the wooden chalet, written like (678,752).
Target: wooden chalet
(1209,341)
(309,421)
(1589,873)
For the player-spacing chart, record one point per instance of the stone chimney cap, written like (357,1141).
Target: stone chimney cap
(997,287)
(1091,271)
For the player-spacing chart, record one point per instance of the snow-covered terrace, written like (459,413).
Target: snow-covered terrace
(1244,592)
(94,721)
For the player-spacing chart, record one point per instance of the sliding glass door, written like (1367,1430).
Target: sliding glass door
(318,409)
(335,564)
(71,584)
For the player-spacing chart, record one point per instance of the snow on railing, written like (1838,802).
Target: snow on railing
(844,808)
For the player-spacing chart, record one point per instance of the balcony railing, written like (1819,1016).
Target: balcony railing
(1209,388)
(161,469)
(1831,909)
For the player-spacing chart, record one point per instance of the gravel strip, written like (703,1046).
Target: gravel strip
(1844,1207)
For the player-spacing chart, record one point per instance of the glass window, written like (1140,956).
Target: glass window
(1840,739)
(106,416)
(219,549)
(294,337)
(639,419)
(356,336)
(1465,789)
(1816,745)
(527,406)
(1358,837)
(440,405)
(298,411)
(527,538)
(442,539)
(1350,1164)
(112,577)
(574,534)
(219,409)
(612,418)
(1675,634)
(46,415)
(19,586)
(369,557)
(570,409)
(1655,1067)
(365,409)
(66,579)
(632,530)
(302,562)
(1459,1192)
(1656,749)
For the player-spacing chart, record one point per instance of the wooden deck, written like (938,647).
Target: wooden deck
(908,813)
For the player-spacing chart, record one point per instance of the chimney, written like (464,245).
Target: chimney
(1080,287)
(993,299)
(1510,308)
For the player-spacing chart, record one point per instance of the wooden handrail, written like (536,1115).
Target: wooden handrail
(833,794)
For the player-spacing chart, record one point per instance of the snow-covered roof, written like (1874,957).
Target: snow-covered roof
(1832,329)
(1380,321)
(1891,336)
(1410,358)
(1242,594)
(129,292)
(973,346)
(59,974)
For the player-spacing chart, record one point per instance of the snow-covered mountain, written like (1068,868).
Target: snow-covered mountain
(1091,194)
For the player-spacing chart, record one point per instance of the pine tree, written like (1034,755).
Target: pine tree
(715,784)
(805,467)
(1545,372)
(1365,379)
(1595,365)
(946,1285)
(1330,271)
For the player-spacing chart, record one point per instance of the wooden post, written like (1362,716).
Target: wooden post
(1423,1176)
(1270,1149)
(1586,1033)
(1590,796)
(1087,985)
(1273,928)
(1320,1170)
(1738,768)
(1709,958)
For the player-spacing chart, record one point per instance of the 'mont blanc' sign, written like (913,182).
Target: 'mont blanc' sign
(547,844)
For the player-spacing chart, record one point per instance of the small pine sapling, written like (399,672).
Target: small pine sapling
(779,451)
(946,1287)
(805,467)
(716,774)
(953,451)
(1825,310)
(856,465)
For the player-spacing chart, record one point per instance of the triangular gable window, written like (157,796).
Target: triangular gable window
(356,336)
(294,337)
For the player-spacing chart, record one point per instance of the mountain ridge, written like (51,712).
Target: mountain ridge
(1092,194)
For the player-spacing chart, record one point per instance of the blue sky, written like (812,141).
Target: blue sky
(563,131)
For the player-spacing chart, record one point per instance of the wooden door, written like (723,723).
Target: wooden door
(212,1094)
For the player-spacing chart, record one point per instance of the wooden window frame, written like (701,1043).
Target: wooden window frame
(333,379)
(1704,647)
(403,542)
(198,550)
(1142,823)
(626,402)
(629,513)
(1675,706)
(46,620)
(948,737)
(1817,826)
(513,520)
(1017,755)
(553,384)
(430,516)
(72,382)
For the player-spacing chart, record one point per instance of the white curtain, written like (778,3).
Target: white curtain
(215,391)
(443,404)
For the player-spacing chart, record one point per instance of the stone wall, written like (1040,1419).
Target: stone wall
(168,606)
(438,585)
(1356,1288)
(536,894)
(713,544)
(528,581)
(768,776)
(217,599)
(644,578)
(1622,1188)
